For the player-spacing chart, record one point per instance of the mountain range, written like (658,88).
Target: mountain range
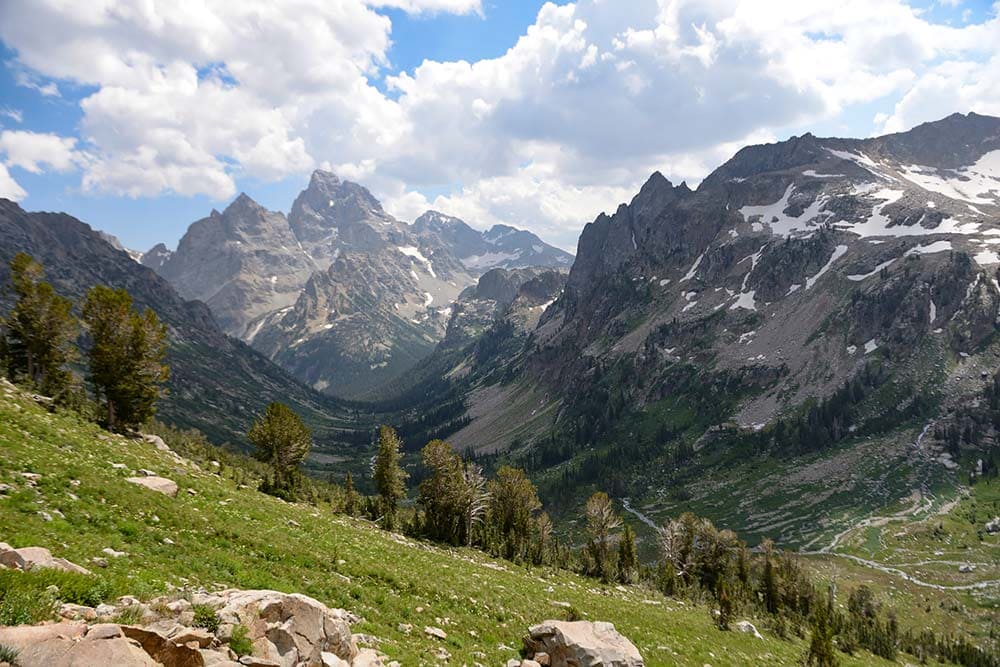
(817,308)
(338,292)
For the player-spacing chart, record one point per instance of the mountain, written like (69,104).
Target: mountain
(339,292)
(499,247)
(155,257)
(217,384)
(812,309)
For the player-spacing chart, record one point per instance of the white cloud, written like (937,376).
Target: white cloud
(431,6)
(14,114)
(192,97)
(9,188)
(32,151)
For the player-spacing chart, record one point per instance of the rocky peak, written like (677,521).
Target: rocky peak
(155,257)
(328,203)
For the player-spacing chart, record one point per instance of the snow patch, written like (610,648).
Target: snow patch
(694,267)
(411,251)
(871,346)
(929,249)
(838,252)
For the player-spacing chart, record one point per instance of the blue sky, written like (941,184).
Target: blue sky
(546,136)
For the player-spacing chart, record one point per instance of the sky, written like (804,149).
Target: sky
(141,116)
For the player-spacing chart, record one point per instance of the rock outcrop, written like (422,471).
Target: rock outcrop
(581,644)
(167,487)
(284,630)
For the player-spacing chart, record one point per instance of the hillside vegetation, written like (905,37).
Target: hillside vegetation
(217,533)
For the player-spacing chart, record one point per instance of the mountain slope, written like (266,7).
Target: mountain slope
(217,384)
(230,535)
(810,297)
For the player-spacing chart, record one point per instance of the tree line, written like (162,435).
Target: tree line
(124,348)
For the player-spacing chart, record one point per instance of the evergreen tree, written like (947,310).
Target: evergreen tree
(441,493)
(513,500)
(282,441)
(543,539)
(352,500)
(389,477)
(628,563)
(39,332)
(126,356)
(821,652)
(602,520)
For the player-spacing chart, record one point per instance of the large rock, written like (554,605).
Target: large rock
(582,644)
(34,558)
(165,651)
(160,484)
(289,629)
(64,645)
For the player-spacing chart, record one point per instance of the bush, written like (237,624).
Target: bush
(205,617)
(31,597)
(240,641)
(9,655)
(130,615)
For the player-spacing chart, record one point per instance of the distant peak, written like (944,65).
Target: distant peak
(241,203)
(325,177)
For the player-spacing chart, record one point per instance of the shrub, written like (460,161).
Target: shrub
(130,615)
(240,641)
(205,617)
(9,655)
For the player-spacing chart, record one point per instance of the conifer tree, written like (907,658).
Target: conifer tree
(40,331)
(352,500)
(602,520)
(513,500)
(628,563)
(389,477)
(283,442)
(126,356)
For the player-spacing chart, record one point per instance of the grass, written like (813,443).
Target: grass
(9,655)
(224,535)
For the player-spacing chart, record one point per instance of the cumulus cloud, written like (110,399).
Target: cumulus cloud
(9,188)
(33,151)
(594,96)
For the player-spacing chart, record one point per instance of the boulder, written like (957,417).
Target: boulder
(437,633)
(202,638)
(582,644)
(32,558)
(331,660)
(156,441)
(747,627)
(993,525)
(164,651)
(367,658)
(160,484)
(69,644)
(288,629)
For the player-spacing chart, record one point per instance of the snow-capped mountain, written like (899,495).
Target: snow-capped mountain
(339,292)
(501,246)
(794,270)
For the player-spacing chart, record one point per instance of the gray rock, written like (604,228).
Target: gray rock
(159,484)
(582,643)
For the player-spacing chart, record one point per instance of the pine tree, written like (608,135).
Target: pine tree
(126,356)
(352,500)
(628,563)
(283,442)
(389,477)
(513,500)
(40,331)
(602,520)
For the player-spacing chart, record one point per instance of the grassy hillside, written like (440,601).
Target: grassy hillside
(224,535)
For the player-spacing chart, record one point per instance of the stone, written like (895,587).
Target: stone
(159,484)
(32,558)
(105,610)
(77,611)
(215,658)
(993,525)
(437,633)
(163,650)
(529,663)
(251,661)
(747,627)
(367,658)
(542,658)
(286,628)
(201,637)
(104,631)
(114,554)
(156,441)
(332,660)
(583,643)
